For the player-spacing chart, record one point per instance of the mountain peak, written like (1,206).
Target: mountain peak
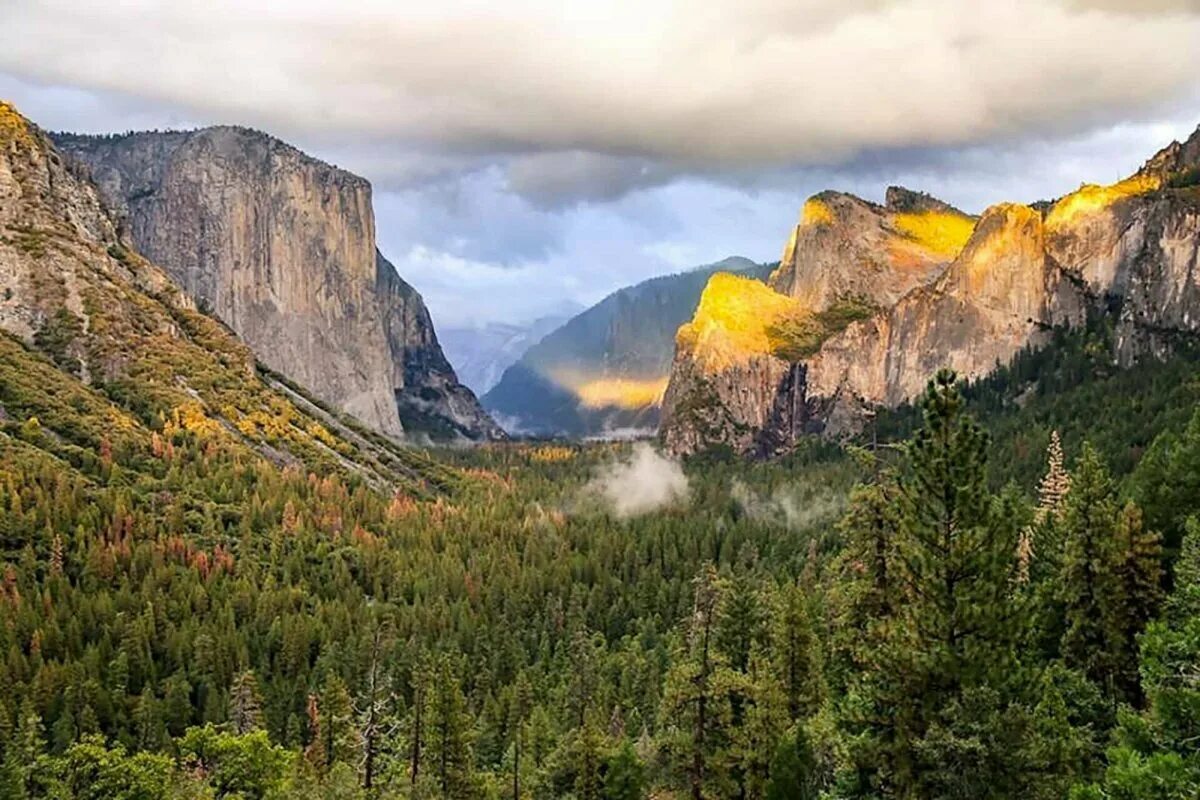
(902,200)
(1177,157)
(13,126)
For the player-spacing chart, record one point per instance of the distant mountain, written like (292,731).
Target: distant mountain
(481,354)
(281,247)
(605,370)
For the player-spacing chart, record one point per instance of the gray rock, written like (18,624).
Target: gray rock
(281,247)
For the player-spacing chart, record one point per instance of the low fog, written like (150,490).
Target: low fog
(640,483)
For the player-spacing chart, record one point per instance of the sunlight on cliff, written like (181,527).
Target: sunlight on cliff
(13,127)
(734,321)
(621,393)
(816,212)
(1090,199)
(941,232)
(1017,244)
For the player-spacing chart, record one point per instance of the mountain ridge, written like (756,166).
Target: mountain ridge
(1127,250)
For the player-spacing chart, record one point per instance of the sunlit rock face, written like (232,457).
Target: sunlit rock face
(947,291)
(281,247)
(844,246)
(727,375)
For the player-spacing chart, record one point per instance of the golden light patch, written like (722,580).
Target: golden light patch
(940,232)
(1090,199)
(551,454)
(13,127)
(734,320)
(622,393)
(816,212)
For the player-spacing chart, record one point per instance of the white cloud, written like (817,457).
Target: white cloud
(727,82)
(644,482)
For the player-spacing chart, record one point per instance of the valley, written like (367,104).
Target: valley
(912,513)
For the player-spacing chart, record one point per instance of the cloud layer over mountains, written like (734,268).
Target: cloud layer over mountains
(545,107)
(724,83)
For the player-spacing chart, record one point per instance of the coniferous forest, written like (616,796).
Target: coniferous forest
(966,603)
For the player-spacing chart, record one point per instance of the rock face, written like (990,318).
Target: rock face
(603,373)
(281,247)
(958,295)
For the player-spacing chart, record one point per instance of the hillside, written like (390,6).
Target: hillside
(107,363)
(604,371)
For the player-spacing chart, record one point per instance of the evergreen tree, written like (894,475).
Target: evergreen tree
(448,751)
(1156,753)
(792,769)
(946,668)
(696,697)
(625,775)
(245,704)
(796,652)
(337,723)
(1088,582)
(1139,582)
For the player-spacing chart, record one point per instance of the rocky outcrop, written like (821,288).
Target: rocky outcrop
(1129,250)
(281,247)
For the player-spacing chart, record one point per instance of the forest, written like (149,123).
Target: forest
(994,593)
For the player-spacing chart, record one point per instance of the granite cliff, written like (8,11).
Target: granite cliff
(281,247)
(103,356)
(871,300)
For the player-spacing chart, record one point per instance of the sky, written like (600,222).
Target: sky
(529,153)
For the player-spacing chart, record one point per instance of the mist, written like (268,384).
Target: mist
(641,483)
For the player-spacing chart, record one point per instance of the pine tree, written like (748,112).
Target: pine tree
(950,641)
(1139,581)
(625,775)
(449,739)
(245,704)
(796,652)
(740,622)
(1087,583)
(757,730)
(315,753)
(522,703)
(337,723)
(1052,494)
(1184,602)
(696,696)
(792,769)
(151,731)
(376,724)
(1155,755)
(587,761)
(1056,483)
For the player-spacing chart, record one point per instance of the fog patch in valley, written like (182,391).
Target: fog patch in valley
(793,507)
(642,482)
